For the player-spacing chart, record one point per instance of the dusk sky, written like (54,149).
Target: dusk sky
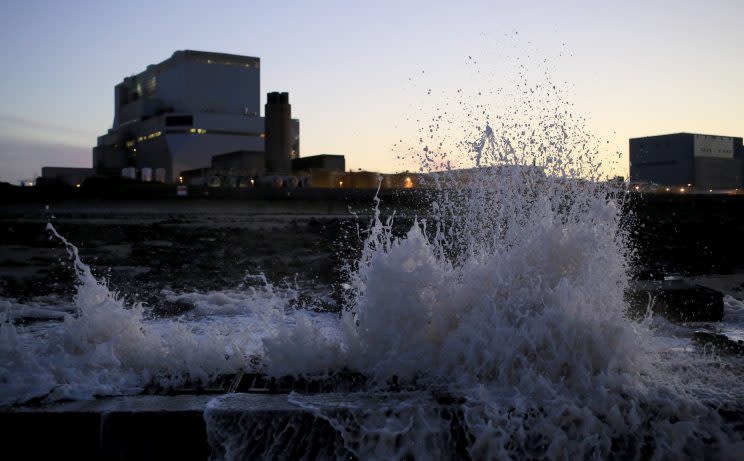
(358,73)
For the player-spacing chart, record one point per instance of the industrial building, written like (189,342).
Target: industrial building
(704,162)
(64,175)
(178,114)
(195,120)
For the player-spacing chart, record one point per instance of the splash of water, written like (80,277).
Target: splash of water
(510,294)
(106,347)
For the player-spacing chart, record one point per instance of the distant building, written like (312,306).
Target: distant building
(178,114)
(320,171)
(682,159)
(319,162)
(64,175)
(240,163)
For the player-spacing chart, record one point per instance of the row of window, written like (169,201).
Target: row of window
(250,65)
(130,143)
(149,136)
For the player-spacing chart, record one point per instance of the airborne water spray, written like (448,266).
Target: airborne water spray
(509,297)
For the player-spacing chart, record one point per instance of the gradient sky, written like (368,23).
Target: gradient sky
(359,73)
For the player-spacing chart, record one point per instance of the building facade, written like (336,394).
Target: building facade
(178,114)
(688,159)
(65,175)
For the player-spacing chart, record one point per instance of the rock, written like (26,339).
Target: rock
(721,343)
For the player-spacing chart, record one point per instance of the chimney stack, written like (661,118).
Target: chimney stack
(278,146)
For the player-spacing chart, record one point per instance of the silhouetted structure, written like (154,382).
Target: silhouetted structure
(65,175)
(178,114)
(319,162)
(688,159)
(279,152)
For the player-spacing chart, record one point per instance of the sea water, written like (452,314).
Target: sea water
(495,328)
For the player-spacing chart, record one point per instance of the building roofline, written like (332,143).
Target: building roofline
(211,54)
(686,133)
(195,55)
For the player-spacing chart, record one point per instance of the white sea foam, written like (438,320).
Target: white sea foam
(105,347)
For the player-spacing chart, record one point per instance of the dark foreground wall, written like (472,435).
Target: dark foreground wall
(149,427)
(687,234)
(212,243)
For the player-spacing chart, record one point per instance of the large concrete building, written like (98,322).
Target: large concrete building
(178,114)
(682,159)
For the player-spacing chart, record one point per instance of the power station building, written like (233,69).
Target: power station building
(178,114)
(688,159)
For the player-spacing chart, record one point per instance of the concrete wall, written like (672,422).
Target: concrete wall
(718,173)
(230,123)
(241,163)
(216,88)
(70,176)
(196,151)
(666,159)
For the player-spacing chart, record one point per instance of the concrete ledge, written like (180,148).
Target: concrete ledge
(249,426)
(121,428)
(676,300)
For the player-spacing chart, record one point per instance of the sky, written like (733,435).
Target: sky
(364,76)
